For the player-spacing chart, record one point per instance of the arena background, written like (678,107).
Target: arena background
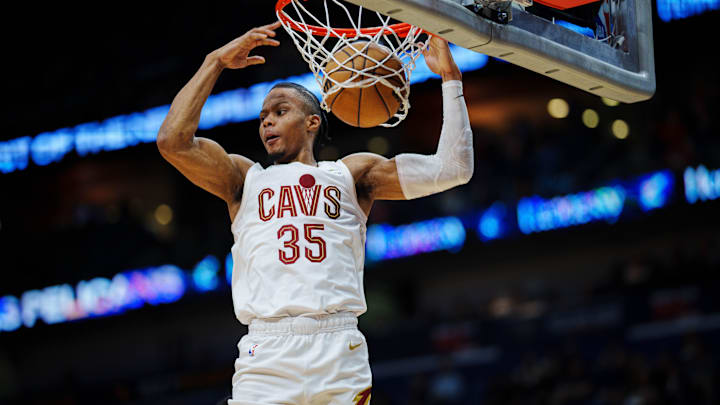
(600,289)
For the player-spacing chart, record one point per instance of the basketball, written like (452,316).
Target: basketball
(364,107)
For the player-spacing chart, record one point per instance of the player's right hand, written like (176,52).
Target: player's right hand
(234,55)
(439,59)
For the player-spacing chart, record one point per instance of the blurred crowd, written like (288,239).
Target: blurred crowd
(683,374)
(620,375)
(649,333)
(668,132)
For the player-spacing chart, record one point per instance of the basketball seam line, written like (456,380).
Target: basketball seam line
(343,89)
(362,89)
(387,109)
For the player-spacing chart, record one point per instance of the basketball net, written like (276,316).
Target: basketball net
(318,41)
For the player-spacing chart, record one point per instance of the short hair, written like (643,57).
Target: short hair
(312,105)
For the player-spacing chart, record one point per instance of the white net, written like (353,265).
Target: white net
(318,43)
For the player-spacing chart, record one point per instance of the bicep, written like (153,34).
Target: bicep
(384,181)
(377,175)
(206,164)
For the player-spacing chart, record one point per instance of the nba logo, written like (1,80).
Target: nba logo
(251,352)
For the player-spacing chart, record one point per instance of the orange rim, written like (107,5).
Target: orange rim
(401,29)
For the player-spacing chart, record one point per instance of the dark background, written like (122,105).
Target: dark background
(546,318)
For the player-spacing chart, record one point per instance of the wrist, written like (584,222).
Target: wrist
(213,60)
(453,74)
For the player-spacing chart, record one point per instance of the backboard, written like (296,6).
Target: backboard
(624,72)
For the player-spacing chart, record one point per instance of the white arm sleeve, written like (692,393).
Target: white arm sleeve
(452,164)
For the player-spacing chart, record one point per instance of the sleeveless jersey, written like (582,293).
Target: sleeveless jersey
(299,243)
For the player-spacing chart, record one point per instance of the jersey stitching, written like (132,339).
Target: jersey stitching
(353,193)
(243,200)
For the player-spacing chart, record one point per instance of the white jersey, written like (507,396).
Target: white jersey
(299,243)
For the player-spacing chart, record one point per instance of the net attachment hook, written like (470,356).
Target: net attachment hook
(499,11)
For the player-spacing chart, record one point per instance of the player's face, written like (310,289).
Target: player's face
(283,125)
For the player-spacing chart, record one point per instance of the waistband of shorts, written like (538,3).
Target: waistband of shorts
(303,325)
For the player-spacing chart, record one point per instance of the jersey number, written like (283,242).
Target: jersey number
(291,251)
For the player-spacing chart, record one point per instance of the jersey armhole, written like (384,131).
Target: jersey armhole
(351,184)
(243,199)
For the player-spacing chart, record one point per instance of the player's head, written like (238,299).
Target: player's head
(291,120)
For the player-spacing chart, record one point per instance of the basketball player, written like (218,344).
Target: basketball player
(299,226)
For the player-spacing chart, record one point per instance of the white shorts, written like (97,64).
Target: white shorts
(302,361)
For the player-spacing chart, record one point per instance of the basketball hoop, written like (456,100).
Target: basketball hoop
(318,42)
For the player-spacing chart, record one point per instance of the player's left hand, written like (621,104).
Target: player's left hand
(235,54)
(439,59)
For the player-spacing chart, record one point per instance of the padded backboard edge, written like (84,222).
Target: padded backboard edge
(541,46)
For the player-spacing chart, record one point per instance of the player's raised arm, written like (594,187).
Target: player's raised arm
(201,160)
(410,175)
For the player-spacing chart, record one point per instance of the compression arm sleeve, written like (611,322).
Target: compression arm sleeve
(452,164)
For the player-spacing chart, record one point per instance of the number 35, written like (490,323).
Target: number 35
(291,251)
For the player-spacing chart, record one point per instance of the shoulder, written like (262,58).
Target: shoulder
(360,163)
(241,163)
(242,167)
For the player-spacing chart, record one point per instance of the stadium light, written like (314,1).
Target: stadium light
(609,102)
(163,214)
(669,10)
(590,118)
(655,190)
(620,129)
(492,223)
(701,184)
(558,108)
(205,274)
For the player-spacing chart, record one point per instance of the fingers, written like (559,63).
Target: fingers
(272,26)
(268,32)
(422,47)
(438,41)
(259,38)
(255,60)
(263,35)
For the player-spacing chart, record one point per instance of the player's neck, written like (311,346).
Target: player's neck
(304,156)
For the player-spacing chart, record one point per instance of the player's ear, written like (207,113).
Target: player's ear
(312,123)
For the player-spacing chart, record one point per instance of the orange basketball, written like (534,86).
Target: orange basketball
(369,106)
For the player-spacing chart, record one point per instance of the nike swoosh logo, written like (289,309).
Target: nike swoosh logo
(350,345)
